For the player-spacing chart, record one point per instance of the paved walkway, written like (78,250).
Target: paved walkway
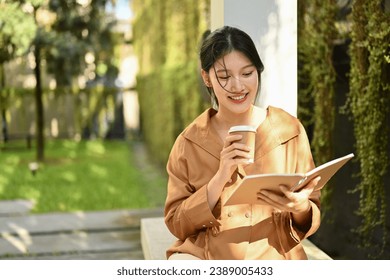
(101,235)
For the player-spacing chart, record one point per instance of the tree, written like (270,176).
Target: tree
(81,29)
(60,33)
(17,30)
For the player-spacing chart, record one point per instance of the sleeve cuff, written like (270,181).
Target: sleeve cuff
(200,214)
(298,235)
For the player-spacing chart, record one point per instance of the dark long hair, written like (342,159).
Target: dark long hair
(223,41)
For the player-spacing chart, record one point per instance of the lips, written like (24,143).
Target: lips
(238,98)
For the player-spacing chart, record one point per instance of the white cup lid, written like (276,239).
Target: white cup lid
(242,128)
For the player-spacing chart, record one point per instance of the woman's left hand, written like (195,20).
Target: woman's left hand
(294,202)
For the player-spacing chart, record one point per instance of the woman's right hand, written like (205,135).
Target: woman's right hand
(233,154)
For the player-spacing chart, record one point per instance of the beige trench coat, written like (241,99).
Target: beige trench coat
(239,231)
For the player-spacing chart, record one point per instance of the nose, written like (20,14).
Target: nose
(236,84)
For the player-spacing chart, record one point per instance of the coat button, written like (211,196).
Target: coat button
(247,215)
(230,214)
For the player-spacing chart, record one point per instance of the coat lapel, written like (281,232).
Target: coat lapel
(202,134)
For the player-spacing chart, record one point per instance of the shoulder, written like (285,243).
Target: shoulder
(196,131)
(200,125)
(199,139)
(284,124)
(279,115)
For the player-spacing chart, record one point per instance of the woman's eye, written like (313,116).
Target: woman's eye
(224,77)
(248,74)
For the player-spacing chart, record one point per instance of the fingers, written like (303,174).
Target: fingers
(238,149)
(312,183)
(233,154)
(233,149)
(273,197)
(287,200)
(231,138)
(233,157)
(275,200)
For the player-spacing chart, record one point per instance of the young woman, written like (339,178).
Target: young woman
(206,164)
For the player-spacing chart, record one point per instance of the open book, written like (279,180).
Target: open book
(246,192)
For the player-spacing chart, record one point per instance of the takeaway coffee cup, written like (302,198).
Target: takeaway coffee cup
(248,137)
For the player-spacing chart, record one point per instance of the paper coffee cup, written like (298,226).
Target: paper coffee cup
(248,137)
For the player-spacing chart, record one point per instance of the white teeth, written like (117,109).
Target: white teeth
(237,97)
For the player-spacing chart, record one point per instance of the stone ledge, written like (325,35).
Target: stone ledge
(156,238)
(15,207)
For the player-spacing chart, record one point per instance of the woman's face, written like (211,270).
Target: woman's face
(234,81)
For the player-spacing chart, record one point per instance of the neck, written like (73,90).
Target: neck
(225,120)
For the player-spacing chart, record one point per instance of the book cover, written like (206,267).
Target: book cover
(246,192)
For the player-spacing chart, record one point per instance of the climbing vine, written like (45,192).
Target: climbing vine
(368,102)
(369,106)
(317,78)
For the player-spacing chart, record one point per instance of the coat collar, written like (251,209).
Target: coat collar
(201,133)
(277,128)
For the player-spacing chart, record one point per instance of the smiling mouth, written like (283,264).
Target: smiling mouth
(239,97)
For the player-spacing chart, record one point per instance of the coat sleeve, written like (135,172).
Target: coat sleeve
(305,163)
(186,208)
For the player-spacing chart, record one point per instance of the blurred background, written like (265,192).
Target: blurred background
(94,93)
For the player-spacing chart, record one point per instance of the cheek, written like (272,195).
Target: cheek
(256,82)
(219,92)
(214,81)
(218,86)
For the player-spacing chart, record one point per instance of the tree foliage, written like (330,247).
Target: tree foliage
(62,33)
(17,30)
(77,30)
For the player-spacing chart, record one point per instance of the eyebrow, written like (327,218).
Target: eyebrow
(226,70)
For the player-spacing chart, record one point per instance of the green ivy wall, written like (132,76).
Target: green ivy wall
(166,39)
(364,27)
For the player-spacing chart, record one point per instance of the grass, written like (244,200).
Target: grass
(80,176)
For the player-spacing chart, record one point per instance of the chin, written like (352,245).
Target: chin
(241,109)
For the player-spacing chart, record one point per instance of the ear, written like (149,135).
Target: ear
(206,78)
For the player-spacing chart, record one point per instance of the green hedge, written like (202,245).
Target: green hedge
(166,41)
(169,100)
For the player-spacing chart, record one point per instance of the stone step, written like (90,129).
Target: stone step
(99,255)
(64,222)
(9,208)
(113,234)
(69,243)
